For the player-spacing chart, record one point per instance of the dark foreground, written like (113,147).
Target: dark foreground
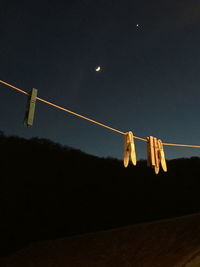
(43,196)
(168,243)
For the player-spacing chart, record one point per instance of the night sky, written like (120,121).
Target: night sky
(149,83)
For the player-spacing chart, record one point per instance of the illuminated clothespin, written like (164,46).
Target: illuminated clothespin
(152,160)
(155,154)
(157,157)
(29,116)
(129,149)
(162,156)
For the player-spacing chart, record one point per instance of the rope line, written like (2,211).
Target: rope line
(91,120)
(20,90)
(168,144)
(64,109)
(80,116)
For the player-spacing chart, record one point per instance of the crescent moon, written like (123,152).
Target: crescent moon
(98,68)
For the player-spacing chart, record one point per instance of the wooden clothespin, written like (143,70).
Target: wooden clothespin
(157,157)
(162,156)
(129,149)
(155,154)
(152,157)
(30,111)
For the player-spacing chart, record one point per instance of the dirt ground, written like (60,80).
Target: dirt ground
(168,243)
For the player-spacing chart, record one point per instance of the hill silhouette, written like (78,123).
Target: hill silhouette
(48,191)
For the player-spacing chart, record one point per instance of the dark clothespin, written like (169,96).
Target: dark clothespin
(129,149)
(155,154)
(30,111)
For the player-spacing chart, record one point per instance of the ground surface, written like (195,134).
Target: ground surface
(174,242)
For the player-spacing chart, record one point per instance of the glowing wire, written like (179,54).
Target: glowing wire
(91,120)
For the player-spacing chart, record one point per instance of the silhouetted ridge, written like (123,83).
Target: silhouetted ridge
(48,191)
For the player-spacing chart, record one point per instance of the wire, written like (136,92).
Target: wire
(91,120)
(20,90)
(64,109)
(168,144)
(80,116)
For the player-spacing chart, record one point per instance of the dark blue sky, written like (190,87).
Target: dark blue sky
(149,83)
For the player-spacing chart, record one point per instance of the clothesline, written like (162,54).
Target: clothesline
(91,120)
